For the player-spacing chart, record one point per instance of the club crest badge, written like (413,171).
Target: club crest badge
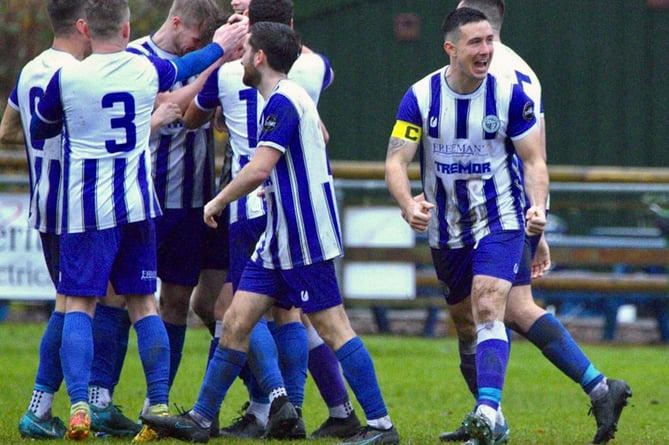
(491,124)
(269,124)
(528,111)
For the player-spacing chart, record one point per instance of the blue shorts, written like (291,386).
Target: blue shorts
(123,255)
(497,255)
(244,235)
(524,275)
(51,252)
(313,288)
(216,245)
(179,235)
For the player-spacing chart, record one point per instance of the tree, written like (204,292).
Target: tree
(26,32)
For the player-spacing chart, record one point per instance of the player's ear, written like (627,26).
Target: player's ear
(81,26)
(259,57)
(125,30)
(449,48)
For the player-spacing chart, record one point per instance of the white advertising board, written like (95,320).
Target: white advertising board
(23,272)
(377,227)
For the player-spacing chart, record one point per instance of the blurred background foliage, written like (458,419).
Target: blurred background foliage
(26,32)
(608,103)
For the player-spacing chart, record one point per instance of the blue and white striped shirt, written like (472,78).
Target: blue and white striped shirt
(468,167)
(104,104)
(242,106)
(509,65)
(178,155)
(302,221)
(44,156)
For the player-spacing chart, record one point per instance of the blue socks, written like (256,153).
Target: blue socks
(107,325)
(222,371)
(293,348)
(263,358)
(49,370)
(154,351)
(121,347)
(177,338)
(555,342)
(360,374)
(492,357)
(76,354)
(256,393)
(468,365)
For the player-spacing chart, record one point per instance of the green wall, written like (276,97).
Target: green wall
(604,66)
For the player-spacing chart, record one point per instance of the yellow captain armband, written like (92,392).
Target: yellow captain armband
(407,131)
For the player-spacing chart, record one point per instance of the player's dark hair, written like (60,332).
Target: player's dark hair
(63,14)
(280,11)
(279,42)
(105,17)
(493,9)
(458,18)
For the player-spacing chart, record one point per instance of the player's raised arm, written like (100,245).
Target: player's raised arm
(196,115)
(225,46)
(231,35)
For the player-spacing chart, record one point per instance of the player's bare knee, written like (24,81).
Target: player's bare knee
(203,309)
(333,334)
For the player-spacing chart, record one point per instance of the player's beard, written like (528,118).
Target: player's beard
(251,76)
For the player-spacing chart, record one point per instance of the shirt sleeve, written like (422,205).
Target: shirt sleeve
(329,73)
(521,114)
(176,70)
(207,99)
(409,122)
(47,119)
(13,100)
(279,123)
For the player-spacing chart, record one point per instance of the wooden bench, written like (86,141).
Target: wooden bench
(592,275)
(609,271)
(590,280)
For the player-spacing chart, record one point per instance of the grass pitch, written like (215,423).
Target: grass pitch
(420,381)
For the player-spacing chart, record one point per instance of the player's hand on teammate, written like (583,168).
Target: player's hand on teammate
(218,121)
(535,221)
(166,113)
(231,35)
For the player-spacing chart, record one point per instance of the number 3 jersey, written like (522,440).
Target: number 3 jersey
(105,104)
(468,168)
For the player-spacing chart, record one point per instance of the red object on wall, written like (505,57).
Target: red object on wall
(657,5)
(406,27)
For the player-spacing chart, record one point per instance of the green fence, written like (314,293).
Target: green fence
(604,67)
